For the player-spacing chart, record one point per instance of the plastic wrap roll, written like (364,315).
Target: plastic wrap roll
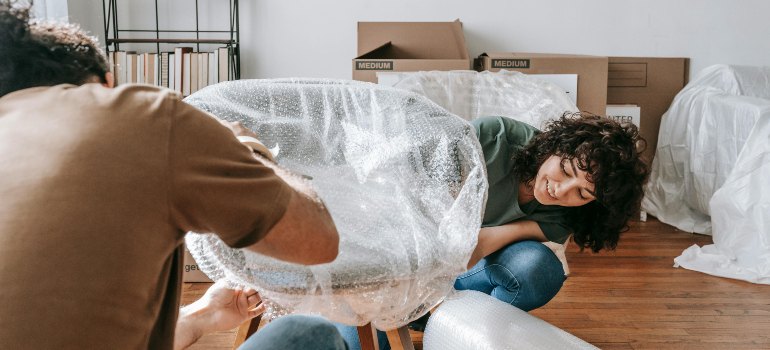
(471,94)
(403,179)
(471,320)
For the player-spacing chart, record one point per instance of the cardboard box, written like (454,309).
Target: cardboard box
(191,272)
(591,72)
(650,83)
(409,47)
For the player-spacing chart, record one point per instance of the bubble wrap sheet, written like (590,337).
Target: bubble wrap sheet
(471,320)
(403,179)
(471,94)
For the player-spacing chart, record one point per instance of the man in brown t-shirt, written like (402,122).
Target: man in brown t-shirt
(98,187)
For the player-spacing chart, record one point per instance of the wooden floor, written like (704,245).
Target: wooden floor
(633,298)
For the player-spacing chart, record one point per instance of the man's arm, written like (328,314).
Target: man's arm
(306,233)
(492,239)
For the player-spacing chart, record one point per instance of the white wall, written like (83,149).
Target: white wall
(292,38)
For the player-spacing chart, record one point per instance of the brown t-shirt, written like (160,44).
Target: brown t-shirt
(97,189)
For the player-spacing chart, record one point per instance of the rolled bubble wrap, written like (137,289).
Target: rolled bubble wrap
(472,95)
(403,179)
(471,320)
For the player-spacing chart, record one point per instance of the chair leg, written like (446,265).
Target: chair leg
(246,330)
(400,339)
(367,335)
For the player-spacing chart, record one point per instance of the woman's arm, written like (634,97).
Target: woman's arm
(492,239)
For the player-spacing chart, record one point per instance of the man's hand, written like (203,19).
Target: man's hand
(220,309)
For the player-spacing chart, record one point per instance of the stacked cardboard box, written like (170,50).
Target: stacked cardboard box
(651,83)
(391,47)
(591,73)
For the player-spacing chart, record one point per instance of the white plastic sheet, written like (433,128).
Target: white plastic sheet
(403,179)
(471,94)
(711,172)
(700,138)
(740,215)
(471,320)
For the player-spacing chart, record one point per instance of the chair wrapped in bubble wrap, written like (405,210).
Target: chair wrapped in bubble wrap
(403,179)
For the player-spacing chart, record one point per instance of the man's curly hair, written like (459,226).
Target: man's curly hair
(44,53)
(610,154)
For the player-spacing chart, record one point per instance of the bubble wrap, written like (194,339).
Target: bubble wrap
(403,179)
(471,94)
(471,320)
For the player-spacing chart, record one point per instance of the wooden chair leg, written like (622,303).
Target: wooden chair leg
(400,339)
(246,330)
(367,335)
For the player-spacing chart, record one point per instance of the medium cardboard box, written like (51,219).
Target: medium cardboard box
(409,47)
(191,272)
(591,72)
(650,83)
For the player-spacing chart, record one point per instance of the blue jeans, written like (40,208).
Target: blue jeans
(525,274)
(296,332)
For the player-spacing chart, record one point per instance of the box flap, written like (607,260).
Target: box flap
(531,55)
(412,40)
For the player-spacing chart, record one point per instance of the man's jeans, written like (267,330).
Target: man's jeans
(525,274)
(298,332)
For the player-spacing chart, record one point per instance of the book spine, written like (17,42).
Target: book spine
(224,67)
(171,71)
(186,73)
(193,72)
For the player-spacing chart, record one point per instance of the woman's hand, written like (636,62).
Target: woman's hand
(220,309)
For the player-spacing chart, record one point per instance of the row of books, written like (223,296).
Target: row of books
(181,70)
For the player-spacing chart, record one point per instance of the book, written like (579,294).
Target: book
(203,72)
(120,63)
(216,67)
(140,69)
(212,69)
(171,69)
(130,68)
(224,66)
(186,74)
(152,73)
(193,72)
(164,69)
(180,54)
(156,70)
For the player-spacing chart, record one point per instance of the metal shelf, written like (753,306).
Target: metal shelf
(233,43)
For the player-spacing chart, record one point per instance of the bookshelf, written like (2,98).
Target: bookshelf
(230,39)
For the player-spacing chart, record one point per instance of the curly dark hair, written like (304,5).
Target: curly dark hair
(44,53)
(610,154)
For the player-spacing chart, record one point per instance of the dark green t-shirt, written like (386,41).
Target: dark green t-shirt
(500,138)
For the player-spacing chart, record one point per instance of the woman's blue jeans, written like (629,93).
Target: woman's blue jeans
(525,274)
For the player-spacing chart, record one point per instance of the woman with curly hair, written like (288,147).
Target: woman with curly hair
(582,176)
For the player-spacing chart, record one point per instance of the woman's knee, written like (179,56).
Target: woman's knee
(530,273)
